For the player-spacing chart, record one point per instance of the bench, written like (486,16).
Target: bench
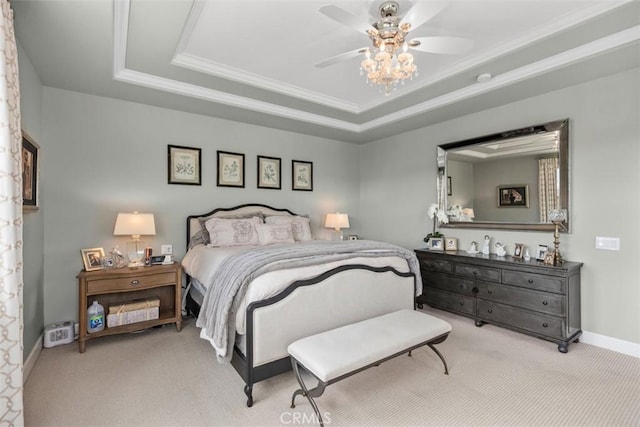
(339,353)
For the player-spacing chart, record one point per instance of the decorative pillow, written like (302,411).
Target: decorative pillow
(299,225)
(203,221)
(200,238)
(274,233)
(233,232)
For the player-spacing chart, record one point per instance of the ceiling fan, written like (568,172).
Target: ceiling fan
(391,29)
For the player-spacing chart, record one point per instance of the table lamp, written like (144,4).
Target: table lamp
(337,221)
(135,225)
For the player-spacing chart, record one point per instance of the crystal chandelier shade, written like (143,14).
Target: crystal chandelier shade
(391,63)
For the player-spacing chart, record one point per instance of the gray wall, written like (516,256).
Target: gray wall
(33,224)
(105,156)
(398,185)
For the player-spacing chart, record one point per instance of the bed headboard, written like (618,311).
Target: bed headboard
(193,223)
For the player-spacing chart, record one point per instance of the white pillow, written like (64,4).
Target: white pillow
(299,225)
(233,232)
(274,233)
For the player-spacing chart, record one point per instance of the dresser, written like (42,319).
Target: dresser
(526,296)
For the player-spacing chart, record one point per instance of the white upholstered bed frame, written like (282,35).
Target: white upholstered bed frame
(338,297)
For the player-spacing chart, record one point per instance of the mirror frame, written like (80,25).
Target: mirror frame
(563,145)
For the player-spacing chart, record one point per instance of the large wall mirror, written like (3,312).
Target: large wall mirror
(509,180)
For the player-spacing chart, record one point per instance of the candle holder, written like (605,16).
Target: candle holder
(558,218)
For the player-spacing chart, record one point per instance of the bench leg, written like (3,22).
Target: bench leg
(446,369)
(309,394)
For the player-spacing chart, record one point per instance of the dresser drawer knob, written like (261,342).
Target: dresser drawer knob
(475,273)
(530,281)
(545,303)
(461,303)
(490,310)
(489,291)
(545,325)
(135,282)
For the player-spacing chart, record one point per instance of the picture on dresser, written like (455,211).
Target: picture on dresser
(542,252)
(451,244)
(436,243)
(518,251)
(513,196)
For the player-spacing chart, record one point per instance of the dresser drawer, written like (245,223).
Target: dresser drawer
(478,272)
(449,301)
(519,318)
(435,265)
(533,300)
(445,282)
(128,283)
(534,281)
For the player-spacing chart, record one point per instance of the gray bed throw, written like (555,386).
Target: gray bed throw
(229,283)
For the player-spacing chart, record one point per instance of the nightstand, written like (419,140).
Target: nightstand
(119,286)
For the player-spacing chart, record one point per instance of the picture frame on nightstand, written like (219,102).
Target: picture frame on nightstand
(93,259)
(450,244)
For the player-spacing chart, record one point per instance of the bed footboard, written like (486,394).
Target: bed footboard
(338,297)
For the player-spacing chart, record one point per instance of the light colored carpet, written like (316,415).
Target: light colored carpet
(497,378)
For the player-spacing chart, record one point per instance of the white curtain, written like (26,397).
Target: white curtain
(548,186)
(11,285)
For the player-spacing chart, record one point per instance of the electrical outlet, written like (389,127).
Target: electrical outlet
(166,249)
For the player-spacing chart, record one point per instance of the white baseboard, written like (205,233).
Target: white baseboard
(30,362)
(613,344)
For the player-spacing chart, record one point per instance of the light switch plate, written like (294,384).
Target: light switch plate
(166,249)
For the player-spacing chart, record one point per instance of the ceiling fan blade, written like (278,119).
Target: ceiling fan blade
(442,44)
(342,57)
(421,12)
(346,18)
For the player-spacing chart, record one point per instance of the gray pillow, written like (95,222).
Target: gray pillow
(203,220)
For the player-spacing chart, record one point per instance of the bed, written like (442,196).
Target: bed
(255,287)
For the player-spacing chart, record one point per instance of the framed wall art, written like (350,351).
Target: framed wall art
(93,259)
(230,169)
(30,173)
(513,196)
(184,165)
(269,172)
(301,175)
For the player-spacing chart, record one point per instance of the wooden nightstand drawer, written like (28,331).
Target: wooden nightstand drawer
(129,283)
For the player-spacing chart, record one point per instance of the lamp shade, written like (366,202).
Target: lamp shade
(135,224)
(337,221)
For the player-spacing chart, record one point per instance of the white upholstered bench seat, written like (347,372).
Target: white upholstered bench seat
(336,354)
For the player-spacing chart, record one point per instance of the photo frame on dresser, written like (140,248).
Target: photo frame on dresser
(451,244)
(436,243)
(541,252)
(518,251)
(93,259)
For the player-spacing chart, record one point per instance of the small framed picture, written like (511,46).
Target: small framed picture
(93,259)
(436,243)
(513,196)
(301,175)
(518,252)
(541,253)
(230,169)
(30,172)
(550,257)
(353,237)
(451,244)
(184,165)
(269,172)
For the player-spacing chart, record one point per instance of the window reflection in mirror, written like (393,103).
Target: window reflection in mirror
(509,180)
